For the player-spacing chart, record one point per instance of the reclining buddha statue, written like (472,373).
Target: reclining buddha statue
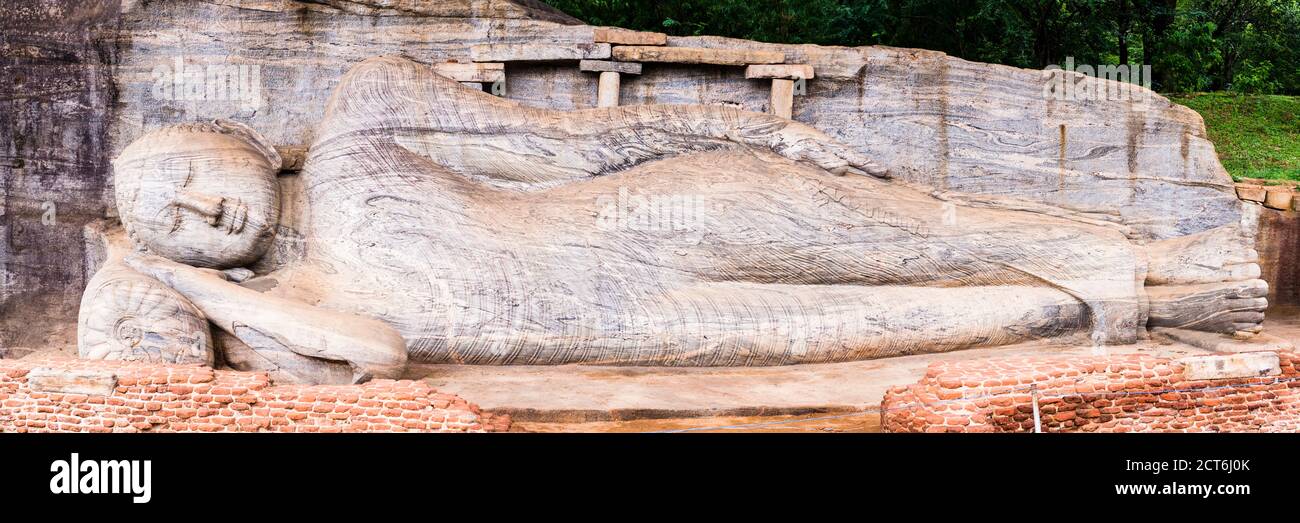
(440,224)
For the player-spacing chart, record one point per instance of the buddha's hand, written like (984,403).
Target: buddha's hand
(803,143)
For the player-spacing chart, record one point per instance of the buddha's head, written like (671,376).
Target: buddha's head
(203,194)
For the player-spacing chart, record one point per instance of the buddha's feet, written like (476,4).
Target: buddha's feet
(1235,307)
(1207,281)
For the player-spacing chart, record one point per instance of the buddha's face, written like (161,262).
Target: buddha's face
(205,199)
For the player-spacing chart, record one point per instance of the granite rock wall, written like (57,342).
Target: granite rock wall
(55,114)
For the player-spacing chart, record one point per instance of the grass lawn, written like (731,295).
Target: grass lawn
(1256,136)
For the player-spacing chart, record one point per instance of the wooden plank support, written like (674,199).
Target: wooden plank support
(538,52)
(607,90)
(484,73)
(782,103)
(620,36)
(695,55)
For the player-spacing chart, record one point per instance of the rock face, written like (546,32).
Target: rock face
(933,120)
(1279,250)
(55,115)
(447,225)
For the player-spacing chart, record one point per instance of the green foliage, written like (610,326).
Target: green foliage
(1255,77)
(1255,135)
(1189,56)
(1243,45)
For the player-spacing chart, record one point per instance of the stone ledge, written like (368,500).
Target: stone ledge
(606,66)
(696,55)
(1224,366)
(1222,343)
(1252,193)
(620,36)
(538,52)
(71,381)
(1278,197)
(782,71)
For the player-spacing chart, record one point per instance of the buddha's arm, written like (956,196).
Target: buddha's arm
(477,134)
(371,347)
(537,145)
(662,130)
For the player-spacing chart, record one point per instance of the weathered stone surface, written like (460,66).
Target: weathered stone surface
(447,9)
(609,66)
(1224,366)
(1278,198)
(786,71)
(291,157)
(482,72)
(620,36)
(1278,242)
(72,381)
(538,52)
(1252,193)
(694,55)
(56,111)
(1218,255)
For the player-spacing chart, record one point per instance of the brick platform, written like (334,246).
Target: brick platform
(104,396)
(1132,393)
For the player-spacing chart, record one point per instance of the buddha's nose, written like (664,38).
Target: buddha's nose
(207,205)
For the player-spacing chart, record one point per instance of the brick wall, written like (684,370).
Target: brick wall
(66,395)
(1131,393)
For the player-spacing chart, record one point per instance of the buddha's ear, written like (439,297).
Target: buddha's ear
(254,138)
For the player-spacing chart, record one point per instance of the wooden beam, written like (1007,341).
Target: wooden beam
(695,55)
